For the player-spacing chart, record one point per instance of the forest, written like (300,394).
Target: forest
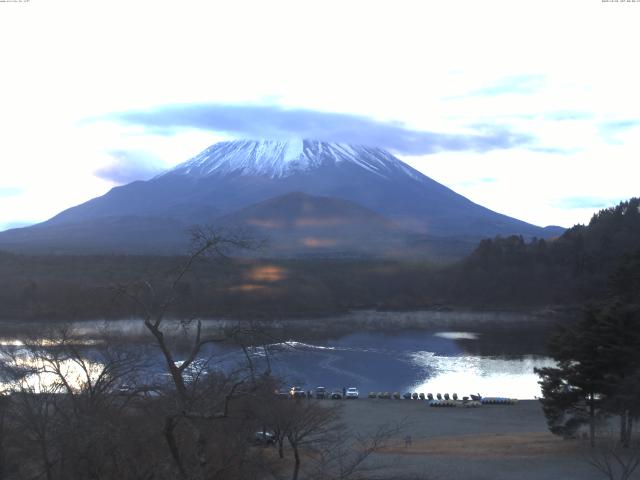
(502,273)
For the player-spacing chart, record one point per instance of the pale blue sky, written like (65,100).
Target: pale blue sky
(529,108)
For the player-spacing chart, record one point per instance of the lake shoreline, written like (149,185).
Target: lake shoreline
(327,327)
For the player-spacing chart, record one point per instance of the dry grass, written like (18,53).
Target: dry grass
(490,445)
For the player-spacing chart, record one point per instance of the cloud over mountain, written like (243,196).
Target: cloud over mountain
(268,121)
(128,166)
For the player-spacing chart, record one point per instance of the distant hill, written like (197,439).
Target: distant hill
(153,216)
(502,273)
(301,225)
(574,268)
(297,224)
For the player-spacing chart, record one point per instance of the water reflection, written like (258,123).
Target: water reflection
(490,376)
(68,364)
(38,376)
(423,360)
(458,335)
(415,360)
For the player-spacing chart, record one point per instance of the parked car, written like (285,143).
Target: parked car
(336,394)
(297,392)
(352,392)
(263,438)
(125,388)
(321,393)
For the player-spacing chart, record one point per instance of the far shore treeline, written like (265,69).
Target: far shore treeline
(502,273)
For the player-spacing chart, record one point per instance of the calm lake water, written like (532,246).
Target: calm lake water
(493,360)
(492,363)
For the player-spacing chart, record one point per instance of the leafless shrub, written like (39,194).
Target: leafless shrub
(613,459)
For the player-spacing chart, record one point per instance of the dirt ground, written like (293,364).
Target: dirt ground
(492,442)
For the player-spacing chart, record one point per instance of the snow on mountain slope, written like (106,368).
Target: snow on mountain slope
(230,176)
(278,159)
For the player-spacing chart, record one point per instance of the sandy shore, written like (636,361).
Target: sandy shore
(492,442)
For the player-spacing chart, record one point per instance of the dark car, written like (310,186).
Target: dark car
(321,393)
(336,394)
(125,389)
(263,438)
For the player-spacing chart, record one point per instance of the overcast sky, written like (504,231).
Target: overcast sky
(530,108)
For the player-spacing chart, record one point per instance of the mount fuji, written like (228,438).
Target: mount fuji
(337,199)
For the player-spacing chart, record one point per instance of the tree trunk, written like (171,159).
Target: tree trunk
(296,466)
(45,458)
(281,447)
(2,450)
(169,426)
(623,429)
(201,450)
(592,421)
(176,374)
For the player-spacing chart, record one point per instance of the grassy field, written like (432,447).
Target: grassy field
(492,442)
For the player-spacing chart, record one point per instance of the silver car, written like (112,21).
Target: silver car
(352,392)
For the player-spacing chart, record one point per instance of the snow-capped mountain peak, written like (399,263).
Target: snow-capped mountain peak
(282,158)
(320,185)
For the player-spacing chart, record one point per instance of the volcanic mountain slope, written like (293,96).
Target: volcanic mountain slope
(230,176)
(300,224)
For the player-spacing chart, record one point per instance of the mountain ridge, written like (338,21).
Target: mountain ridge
(230,176)
(274,158)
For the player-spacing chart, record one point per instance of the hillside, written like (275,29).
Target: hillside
(502,273)
(572,269)
(152,217)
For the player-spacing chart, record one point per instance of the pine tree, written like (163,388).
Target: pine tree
(598,371)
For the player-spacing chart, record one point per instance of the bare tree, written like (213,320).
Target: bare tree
(345,455)
(36,415)
(63,401)
(306,425)
(154,304)
(321,444)
(197,402)
(88,371)
(615,461)
(4,456)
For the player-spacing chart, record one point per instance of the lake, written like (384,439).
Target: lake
(489,362)
(493,359)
